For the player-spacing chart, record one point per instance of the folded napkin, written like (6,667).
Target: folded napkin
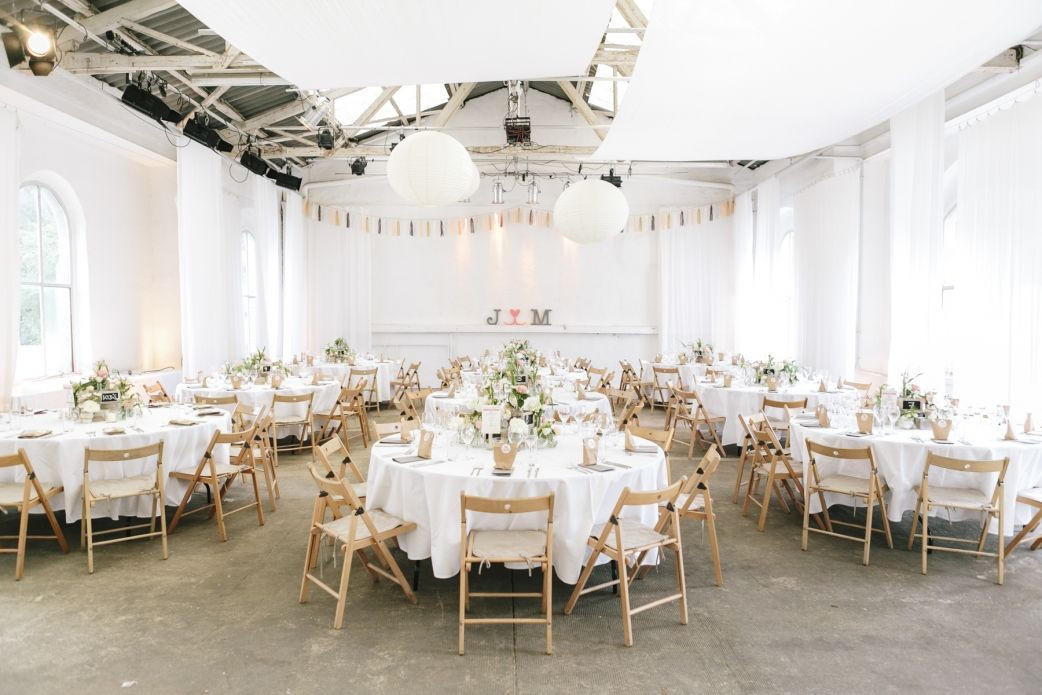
(822,415)
(33,434)
(210,411)
(114,430)
(183,422)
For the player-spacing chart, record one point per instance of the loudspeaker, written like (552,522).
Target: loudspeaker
(288,181)
(254,163)
(149,104)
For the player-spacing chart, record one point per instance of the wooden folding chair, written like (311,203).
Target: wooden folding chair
(863,387)
(305,422)
(696,502)
(714,424)
(870,489)
(417,401)
(533,547)
(664,438)
(143,485)
(680,413)
(356,531)
(263,444)
(23,497)
(348,407)
(219,477)
(336,460)
(967,498)
(623,539)
(222,402)
(407,380)
(780,420)
(771,463)
(662,381)
(629,414)
(369,393)
(1032,498)
(156,393)
(618,399)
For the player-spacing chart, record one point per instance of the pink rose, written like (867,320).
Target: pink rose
(521,388)
(103,373)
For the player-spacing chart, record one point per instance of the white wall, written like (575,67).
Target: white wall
(130,231)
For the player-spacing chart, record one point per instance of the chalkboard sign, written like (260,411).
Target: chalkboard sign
(266,368)
(109,396)
(769,371)
(915,404)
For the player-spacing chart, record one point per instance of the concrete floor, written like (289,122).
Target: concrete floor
(223,617)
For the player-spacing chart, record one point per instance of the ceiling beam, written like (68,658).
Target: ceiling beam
(134,10)
(581,106)
(377,104)
(453,105)
(278,152)
(246,79)
(166,38)
(114,63)
(291,109)
(633,15)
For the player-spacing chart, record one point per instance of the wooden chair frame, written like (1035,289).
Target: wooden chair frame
(368,378)
(157,393)
(993,510)
(335,494)
(34,494)
(206,473)
(875,495)
(305,423)
(772,462)
(200,399)
(663,380)
(668,526)
(523,505)
(1030,526)
(408,379)
(157,493)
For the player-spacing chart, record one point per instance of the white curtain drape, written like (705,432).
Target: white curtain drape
(339,289)
(696,285)
(745,325)
(269,289)
(9,305)
(997,295)
(294,276)
(916,238)
(826,254)
(208,284)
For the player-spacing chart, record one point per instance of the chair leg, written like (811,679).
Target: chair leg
(256,496)
(269,473)
(548,605)
(309,562)
(915,522)
(805,537)
(162,526)
(218,498)
(762,523)
(868,525)
(624,593)
(462,604)
(341,601)
(738,477)
(714,546)
(926,537)
(87,521)
(581,583)
(1028,528)
(681,582)
(1001,559)
(23,532)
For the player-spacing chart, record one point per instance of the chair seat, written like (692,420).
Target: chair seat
(291,420)
(845,484)
(509,544)
(11,493)
(1032,496)
(341,528)
(634,534)
(958,497)
(358,488)
(699,503)
(779,470)
(223,470)
(123,487)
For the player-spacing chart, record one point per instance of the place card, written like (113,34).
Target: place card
(408,428)
(864,422)
(589,451)
(941,427)
(503,455)
(423,450)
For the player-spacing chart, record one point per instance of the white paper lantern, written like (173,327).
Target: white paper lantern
(590,211)
(429,168)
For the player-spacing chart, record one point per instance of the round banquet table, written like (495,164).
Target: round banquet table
(58,457)
(901,456)
(690,373)
(595,401)
(429,494)
(326,393)
(746,400)
(386,371)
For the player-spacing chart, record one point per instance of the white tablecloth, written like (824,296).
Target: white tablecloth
(430,497)
(386,372)
(747,400)
(326,394)
(58,458)
(594,401)
(689,373)
(901,458)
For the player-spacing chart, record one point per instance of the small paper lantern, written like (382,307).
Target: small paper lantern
(590,211)
(429,168)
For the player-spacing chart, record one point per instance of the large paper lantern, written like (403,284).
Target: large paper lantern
(429,168)
(475,183)
(590,211)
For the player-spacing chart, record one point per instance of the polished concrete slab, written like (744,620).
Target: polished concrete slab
(223,617)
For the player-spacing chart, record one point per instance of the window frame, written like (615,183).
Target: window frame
(41,285)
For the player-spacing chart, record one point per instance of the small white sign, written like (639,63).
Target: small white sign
(491,419)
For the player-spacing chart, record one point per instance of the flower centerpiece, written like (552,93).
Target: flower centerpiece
(339,351)
(700,349)
(103,389)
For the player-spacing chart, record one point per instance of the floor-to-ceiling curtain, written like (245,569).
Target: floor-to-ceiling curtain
(916,229)
(997,289)
(826,253)
(696,285)
(294,276)
(745,324)
(208,283)
(269,287)
(339,289)
(9,295)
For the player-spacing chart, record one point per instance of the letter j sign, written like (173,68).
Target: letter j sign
(539,318)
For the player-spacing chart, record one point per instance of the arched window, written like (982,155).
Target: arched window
(248,279)
(45,271)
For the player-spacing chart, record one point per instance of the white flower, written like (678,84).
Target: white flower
(90,407)
(518,426)
(532,404)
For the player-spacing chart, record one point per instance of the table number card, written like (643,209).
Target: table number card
(423,450)
(491,420)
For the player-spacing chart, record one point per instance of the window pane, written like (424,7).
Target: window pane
(29,234)
(57,329)
(54,228)
(30,336)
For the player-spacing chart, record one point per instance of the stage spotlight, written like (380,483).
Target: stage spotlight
(611,178)
(254,163)
(149,104)
(36,46)
(358,166)
(202,133)
(287,181)
(326,139)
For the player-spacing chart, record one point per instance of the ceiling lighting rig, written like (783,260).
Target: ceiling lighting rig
(34,44)
(517,124)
